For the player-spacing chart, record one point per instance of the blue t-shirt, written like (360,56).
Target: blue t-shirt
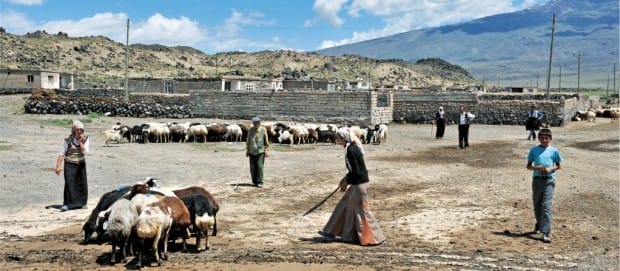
(544,156)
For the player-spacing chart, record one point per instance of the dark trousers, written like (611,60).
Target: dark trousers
(463,135)
(76,186)
(441,128)
(256,167)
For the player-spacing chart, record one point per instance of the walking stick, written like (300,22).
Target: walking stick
(321,202)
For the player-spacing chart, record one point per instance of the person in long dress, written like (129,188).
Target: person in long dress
(352,219)
(72,154)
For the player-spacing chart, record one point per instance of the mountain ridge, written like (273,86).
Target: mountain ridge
(514,47)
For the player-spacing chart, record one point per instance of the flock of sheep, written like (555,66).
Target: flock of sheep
(278,132)
(134,218)
(591,114)
(143,217)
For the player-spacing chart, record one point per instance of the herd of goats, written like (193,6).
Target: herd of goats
(278,132)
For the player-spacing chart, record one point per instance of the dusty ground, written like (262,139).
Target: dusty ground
(439,207)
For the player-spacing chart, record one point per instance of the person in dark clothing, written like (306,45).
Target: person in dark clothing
(440,120)
(532,124)
(76,184)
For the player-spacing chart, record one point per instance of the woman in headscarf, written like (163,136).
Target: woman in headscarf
(440,119)
(76,185)
(352,219)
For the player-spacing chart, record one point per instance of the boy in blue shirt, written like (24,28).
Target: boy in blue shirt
(544,160)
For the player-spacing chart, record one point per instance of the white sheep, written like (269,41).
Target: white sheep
(381,133)
(234,132)
(195,131)
(153,224)
(119,226)
(112,135)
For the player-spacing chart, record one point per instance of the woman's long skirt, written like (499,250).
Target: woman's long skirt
(76,186)
(352,219)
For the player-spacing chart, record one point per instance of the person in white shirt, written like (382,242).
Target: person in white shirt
(464,119)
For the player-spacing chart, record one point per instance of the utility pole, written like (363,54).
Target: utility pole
(127,64)
(615,79)
(579,54)
(607,89)
(560,83)
(550,57)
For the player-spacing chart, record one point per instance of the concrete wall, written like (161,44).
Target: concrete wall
(343,108)
(19,79)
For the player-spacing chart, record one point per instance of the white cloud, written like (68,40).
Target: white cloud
(230,35)
(406,15)
(327,11)
(26,2)
(111,25)
(156,29)
(167,31)
(16,22)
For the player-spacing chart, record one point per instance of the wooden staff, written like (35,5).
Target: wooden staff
(322,201)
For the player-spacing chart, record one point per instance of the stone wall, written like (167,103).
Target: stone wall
(302,106)
(10,91)
(490,108)
(319,106)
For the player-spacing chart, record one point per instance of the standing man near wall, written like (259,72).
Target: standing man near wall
(464,119)
(532,124)
(257,148)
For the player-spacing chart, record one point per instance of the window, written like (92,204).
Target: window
(30,78)
(168,87)
(50,80)
(249,86)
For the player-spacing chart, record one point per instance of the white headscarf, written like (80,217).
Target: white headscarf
(348,136)
(78,124)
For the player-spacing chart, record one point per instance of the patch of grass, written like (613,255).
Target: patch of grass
(67,122)
(5,146)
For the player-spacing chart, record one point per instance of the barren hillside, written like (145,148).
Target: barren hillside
(100,60)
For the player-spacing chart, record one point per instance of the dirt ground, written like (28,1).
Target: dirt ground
(441,208)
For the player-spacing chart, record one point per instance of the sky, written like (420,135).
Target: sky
(214,26)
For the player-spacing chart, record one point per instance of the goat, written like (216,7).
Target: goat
(201,191)
(202,217)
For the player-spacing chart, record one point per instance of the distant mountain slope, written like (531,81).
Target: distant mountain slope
(513,48)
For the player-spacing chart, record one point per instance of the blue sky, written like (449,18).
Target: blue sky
(214,26)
